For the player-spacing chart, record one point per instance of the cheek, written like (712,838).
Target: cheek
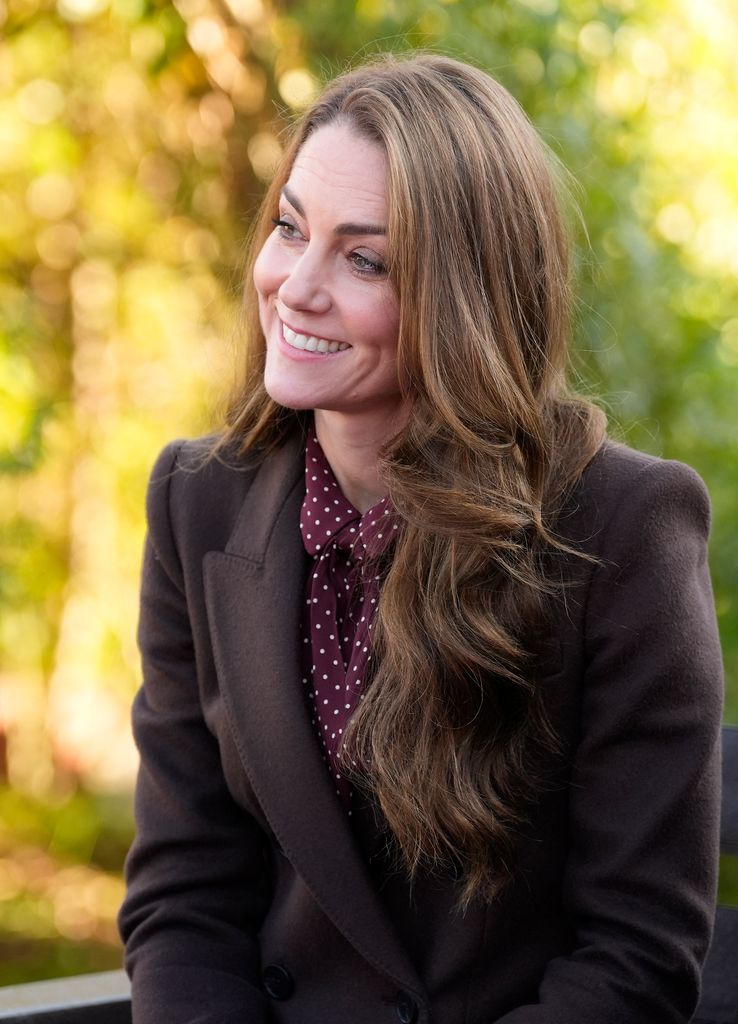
(376,319)
(389,321)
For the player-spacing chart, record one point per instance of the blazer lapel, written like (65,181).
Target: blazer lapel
(254,593)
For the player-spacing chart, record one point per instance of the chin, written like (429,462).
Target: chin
(290,398)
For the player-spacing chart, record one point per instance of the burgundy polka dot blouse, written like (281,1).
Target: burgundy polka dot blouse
(339,602)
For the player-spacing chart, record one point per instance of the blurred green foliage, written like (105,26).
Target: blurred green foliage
(60,883)
(135,140)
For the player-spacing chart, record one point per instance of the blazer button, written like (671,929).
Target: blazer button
(277,982)
(407,1011)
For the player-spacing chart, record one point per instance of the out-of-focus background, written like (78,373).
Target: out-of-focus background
(135,140)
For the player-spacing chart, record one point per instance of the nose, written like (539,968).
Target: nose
(304,287)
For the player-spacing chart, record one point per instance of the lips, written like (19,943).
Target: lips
(310,343)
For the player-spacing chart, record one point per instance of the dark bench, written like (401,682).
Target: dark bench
(105,998)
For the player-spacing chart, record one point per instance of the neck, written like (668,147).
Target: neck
(351,442)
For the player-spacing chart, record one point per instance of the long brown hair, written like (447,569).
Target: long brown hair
(479,257)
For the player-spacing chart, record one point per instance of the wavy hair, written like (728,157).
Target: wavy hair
(479,257)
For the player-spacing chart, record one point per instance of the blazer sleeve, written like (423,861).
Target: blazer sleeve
(645,793)
(197,886)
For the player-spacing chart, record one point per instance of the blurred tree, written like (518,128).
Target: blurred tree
(135,139)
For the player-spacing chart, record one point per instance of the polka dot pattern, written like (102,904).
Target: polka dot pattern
(339,602)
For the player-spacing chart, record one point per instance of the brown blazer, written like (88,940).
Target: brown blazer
(253,898)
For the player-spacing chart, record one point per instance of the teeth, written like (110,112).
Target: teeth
(309,343)
(292,338)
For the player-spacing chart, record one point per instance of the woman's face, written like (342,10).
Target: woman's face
(328,312)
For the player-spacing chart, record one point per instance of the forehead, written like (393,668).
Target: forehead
(336,168)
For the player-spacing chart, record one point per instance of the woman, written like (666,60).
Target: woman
(431,700)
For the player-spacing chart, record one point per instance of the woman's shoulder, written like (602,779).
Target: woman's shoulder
(202,455)
(617,466)
(623,485)
(198,487)
(192,469)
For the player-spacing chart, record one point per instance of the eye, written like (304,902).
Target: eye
(285,228)
(366,266)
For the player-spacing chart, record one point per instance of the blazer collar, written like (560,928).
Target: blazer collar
(254,592)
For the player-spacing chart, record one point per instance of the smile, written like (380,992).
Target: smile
(309,343)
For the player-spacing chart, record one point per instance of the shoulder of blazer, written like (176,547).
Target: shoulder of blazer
(196,494)
(626,508)
(619,478)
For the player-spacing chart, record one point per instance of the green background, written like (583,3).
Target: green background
(135,141)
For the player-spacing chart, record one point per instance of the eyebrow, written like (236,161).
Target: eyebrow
(350,228)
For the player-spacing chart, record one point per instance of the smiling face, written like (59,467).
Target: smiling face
(328,312)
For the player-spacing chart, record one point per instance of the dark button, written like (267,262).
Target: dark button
(405,1008)
(277,982)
